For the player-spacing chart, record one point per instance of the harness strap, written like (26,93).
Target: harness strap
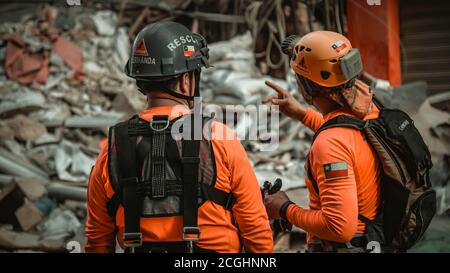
(339,121)
(190,160)
(225,199)
(158,125)
(126,149)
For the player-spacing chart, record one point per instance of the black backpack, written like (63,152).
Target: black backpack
(408,200)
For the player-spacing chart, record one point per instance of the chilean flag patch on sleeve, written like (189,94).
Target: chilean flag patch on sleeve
(335,170)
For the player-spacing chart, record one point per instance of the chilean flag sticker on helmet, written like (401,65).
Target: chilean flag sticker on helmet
(188,50)
(339,45)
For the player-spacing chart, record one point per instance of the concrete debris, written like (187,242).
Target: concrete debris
(17,204)
(33,188)
(14,165)
(57,190)
(28,215)
(6,133)
(121,47)
(105,22)
(29,241)
(21,101)
(51,126)
(26,129)
(60,224)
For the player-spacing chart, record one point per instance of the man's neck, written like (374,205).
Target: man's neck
(164,100)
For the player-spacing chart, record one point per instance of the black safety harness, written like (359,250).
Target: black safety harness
(130,189)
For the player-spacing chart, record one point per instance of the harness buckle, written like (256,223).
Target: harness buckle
(132,239)
(190,231)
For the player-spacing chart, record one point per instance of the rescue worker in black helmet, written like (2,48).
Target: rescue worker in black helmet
(155,193)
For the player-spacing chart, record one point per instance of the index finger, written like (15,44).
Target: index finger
(277,88)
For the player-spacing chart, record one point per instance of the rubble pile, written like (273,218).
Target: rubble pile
(60,90)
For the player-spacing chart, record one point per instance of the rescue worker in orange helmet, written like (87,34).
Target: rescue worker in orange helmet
(155,193)
(343,171)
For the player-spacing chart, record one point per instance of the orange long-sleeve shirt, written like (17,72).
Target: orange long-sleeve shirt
(221,230)
(333,214)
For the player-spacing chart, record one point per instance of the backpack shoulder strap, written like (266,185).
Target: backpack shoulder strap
(341,121)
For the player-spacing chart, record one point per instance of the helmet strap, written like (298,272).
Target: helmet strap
(197,82)
(176,94)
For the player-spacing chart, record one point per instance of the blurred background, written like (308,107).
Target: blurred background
(62,85)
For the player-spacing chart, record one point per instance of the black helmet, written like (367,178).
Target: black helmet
(164,50)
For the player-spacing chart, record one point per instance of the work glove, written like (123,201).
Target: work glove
(274,200)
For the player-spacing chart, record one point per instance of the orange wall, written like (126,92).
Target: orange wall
(374,30)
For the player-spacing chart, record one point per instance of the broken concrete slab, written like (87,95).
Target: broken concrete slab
(21,101)
(26,129)
(6,133)
(33,188)
(57,190)
(71,163)
(121,47)
(15,240)
(11,198)
(28,215)
(105,22)
(129,103)
(15,206)
(28,241)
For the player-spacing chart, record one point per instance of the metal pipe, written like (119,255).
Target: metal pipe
(55,189)
(13,165)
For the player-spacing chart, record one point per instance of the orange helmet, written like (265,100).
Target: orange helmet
(324,57)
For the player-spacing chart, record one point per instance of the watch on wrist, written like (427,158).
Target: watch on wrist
(283,209)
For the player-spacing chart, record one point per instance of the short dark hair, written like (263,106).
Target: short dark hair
(146,86)
(151,86)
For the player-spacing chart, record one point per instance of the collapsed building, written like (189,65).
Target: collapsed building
(62,85)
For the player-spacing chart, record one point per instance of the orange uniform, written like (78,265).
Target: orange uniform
(346,193)
(221,230)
